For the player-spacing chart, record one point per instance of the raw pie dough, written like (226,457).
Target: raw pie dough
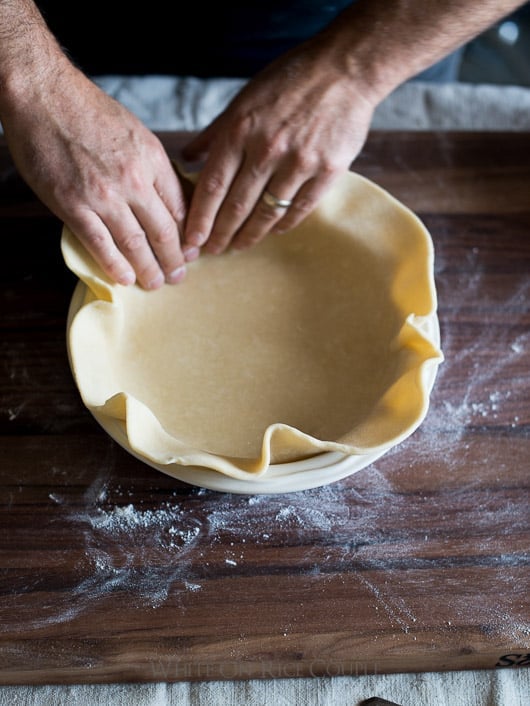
(323,339)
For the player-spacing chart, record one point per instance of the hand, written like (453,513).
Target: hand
(290,132)
(103,173)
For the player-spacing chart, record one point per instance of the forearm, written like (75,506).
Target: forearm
(384,43)
(29,52)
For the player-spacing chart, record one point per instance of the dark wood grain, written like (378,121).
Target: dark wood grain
(112,571)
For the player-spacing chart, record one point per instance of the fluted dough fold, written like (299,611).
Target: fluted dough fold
(321,339)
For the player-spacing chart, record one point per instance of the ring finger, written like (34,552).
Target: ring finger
(273,205)
(252,209)
(302,203)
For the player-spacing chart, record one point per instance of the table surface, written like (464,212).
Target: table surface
(111,571)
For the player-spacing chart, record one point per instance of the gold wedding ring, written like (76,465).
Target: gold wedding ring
(274,202)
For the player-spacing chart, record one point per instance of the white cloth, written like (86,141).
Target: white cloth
(171,103)
(469,688)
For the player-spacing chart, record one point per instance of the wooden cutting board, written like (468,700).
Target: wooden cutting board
(114,572)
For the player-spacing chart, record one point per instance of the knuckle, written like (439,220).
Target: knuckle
(305,162)
(131,243)
(135,176)
(112,265)
(258,167)
(213,184)
(179,212)
(272,148)
(328,169)
(97,241)
(103,190)
(106,254)
(164,234)
(236,207)
(240,125)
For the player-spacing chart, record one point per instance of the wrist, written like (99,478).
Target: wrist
(356,53)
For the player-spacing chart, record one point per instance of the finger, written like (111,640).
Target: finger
(175,194)
(305,201)
(98,241)
(132,242)
(210,191)
(171,192)
(264,190)
(242,199)
(269,217)
(271,206)
(163,236)
(269,209)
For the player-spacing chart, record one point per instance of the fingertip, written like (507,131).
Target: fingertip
(195,238)
(191,253)
(177,275)
(126,278)
(156,282)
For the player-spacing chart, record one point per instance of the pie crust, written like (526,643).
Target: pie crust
(285,366)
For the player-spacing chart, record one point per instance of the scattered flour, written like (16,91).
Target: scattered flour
(163,550)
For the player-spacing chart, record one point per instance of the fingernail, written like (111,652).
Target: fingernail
(127,278)
(177,275)
(191,254)
(156,282)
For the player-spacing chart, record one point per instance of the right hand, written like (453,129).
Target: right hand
(103,173)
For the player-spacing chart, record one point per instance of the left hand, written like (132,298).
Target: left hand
(292,129)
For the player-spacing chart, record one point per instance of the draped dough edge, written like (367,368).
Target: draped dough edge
(147,437)
(418,341)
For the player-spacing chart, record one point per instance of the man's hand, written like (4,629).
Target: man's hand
(288,134)
(103,173)
(92,162)
(303,120)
